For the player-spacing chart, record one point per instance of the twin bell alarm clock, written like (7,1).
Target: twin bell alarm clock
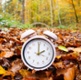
(38,52)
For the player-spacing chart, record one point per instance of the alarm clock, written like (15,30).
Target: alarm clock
(38,52)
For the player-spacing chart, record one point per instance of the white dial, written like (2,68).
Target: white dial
(38,53)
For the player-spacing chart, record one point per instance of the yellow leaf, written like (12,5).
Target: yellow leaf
(8,73)
(24,72)
(63,48)
(2,71)
(58,57)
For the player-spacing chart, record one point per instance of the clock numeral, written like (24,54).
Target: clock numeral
(48,53)
(44,44)
(42,61)
(33,44)
(29,57)
(47,48)
(28,52)
(33,61)
(43,55)
(47,58)
(37,62)
(29,47)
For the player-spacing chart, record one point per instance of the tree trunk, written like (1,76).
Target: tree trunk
(75,12)
(4,7)
(79,2)
(59,19)
(23,11)
(51,12)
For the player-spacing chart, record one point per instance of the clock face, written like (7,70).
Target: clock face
(38,54)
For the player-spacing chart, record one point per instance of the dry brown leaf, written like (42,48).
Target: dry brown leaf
(70,73)
(29,78)
(78,49)
(8,73)
(18,50)
(59,65)
(48,73)
(6,54)
(2,54)
(16,65)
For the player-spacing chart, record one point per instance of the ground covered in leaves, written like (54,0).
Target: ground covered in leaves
(67,64)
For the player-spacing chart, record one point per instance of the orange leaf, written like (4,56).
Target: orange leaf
(6,54)
(70,74)
(2,54)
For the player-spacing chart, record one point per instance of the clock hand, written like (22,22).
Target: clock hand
(41,52)
(38,47)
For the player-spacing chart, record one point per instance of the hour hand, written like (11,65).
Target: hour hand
(40,52)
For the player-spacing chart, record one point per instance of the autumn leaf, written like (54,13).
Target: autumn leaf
(16,65)
(58,57)
(48,73)
(8,73)
(2,54)
(10,49)
(24,72)
(78,49)
(59,65)
(63,48)
(2,71)
(6,54)
(29,78)
(70,74)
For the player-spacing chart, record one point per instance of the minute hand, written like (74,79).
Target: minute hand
(38,47)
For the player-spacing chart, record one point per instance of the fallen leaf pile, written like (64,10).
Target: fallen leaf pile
(67,64)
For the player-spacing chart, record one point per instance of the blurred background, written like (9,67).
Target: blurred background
(22,13)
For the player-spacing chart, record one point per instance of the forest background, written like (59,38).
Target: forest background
(55,13)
